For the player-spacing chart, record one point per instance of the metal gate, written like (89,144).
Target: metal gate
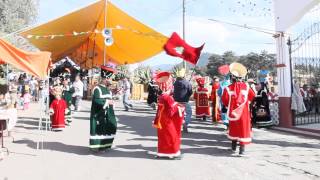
(305,63)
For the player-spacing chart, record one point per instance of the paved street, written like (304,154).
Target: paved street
(206,153)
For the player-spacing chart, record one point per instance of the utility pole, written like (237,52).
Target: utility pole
(183,27)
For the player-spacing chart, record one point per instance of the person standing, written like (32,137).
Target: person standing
(153,90)
(181,94)
(236,97)
(216,113)
(33,83)
(168,120)
(126,89)
(67,96)
(78,93)
(202,97)
(103,124)
(260,107)
(58,110)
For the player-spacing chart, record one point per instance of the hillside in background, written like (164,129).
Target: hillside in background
(203,61)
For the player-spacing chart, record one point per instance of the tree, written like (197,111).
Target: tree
(142,74)
(17,14)
(215,61)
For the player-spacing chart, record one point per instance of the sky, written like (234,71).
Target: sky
(165,16)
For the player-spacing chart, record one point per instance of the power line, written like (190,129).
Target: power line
(262,30)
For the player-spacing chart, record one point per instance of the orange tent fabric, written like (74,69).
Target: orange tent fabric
(133,41)
(34,63)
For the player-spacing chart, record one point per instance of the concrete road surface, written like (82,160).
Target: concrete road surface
(206,153)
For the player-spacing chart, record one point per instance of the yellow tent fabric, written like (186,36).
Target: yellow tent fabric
(35,63)
(133,41)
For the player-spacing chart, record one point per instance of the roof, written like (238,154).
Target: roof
(75,35)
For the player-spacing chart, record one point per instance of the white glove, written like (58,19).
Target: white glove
(106,104)
(51,112)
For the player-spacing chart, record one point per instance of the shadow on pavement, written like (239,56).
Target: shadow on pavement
(125,151)
(285,144)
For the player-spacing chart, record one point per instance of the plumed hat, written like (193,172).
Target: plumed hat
(224,70)
(164,81)
(107,71)
(238,70)
(201,81)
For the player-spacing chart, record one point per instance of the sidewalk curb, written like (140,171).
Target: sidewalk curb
(297,131)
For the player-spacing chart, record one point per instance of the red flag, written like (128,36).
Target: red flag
(177,47)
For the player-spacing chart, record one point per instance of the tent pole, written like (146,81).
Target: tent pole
(7,74)
(105,26)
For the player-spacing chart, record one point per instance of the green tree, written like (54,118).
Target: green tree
(142,74)
(215,61)
(17,14)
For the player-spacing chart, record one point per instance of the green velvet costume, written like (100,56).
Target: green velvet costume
(103,124)
(67,96)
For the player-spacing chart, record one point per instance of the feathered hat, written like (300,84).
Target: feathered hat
(107,71)
(201,81)
(164,81)
(238,70)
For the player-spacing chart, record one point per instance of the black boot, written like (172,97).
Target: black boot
(241,151)
(204,118)
(234,145)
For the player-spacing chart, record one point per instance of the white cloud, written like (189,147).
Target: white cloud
(201,30)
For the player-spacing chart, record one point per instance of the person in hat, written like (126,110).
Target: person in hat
(225,72)
(103,124)
(57,110)
(168,120)
(181,94)
(236,97)
(202,98)
(67,96)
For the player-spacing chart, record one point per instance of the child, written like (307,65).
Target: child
(168,120)
(201,97)
(26,98)
(57,110)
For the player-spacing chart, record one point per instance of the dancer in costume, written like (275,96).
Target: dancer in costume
(57,110)
(103,124)
(168,120)
(236,97)
(260,107)
(224,71)
(67,96)
(216,113)
(202,98)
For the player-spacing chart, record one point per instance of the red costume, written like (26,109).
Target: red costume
(168,120)
(202,98)
(216,113)
(236,98)
(58,109)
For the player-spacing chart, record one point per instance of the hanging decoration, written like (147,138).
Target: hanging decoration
(107,32)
